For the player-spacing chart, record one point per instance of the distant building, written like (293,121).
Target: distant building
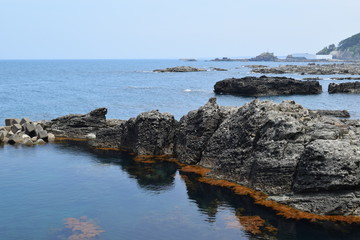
(309,56)
(327,57)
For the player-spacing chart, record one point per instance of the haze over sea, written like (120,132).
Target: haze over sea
(42,186)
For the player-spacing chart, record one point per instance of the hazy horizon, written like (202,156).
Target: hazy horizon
(159,29)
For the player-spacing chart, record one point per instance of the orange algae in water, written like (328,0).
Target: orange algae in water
(281,209)
(195,169)
(82,228)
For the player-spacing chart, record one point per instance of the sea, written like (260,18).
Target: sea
(67,190)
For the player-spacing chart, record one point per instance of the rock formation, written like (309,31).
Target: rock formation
(297,156)
(151,133)
(347,87)
(266,86)
(317,69)
(180,69)
(78,125)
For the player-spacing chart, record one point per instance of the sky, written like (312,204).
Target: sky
(151,29)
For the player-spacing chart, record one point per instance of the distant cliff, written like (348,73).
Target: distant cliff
(347,49)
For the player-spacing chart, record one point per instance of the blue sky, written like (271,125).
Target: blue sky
(107,29)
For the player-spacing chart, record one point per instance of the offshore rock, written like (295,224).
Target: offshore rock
(266,86)
(181,69)
(348,87)
(195,130)
(77,125)
(150,133)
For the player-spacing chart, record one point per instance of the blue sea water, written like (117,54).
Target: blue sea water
(42,186)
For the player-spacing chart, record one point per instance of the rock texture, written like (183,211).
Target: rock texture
(195,130)
(151,133)
(181,69)
(77,125)
(266,86)
(332,113)
(283,150)
(348,87)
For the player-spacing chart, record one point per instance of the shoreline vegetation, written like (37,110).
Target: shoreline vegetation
(298,162)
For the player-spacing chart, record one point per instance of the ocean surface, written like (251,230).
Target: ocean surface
(51,192)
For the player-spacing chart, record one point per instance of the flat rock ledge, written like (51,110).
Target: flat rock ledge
(297,156)
(181,69)
(312,69)
(348,87)
(266,86)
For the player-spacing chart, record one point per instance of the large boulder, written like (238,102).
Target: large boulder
(266,86)
(348,87)
(77,125)
(150,133)
(195,130)
(284,150)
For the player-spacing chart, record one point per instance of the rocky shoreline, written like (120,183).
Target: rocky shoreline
(312,69)
(298,157)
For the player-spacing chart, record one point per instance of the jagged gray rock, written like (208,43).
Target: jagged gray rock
(150,133)
(195,130)
(77,125)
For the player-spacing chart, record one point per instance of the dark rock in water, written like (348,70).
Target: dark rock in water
(181,69)
(266,86)
(77,125)
(300,157)
(348,87)
(332,113)
(318,69)
(150,133)
(195,130)
(284,151)
(218,69)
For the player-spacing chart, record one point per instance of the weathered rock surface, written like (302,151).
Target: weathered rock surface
(266,86)
(77,125)
(195,130)
(181,69)
(318,69)
(348,87)
(151,133)
(283,150)
(332,113)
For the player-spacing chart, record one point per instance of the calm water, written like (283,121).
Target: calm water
(41,187)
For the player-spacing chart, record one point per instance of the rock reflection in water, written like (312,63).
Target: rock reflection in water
(258,221)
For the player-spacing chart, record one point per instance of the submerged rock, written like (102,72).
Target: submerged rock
(348,87)
(266,86)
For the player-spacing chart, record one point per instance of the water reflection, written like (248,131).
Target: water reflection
(258,221)
(155,177)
